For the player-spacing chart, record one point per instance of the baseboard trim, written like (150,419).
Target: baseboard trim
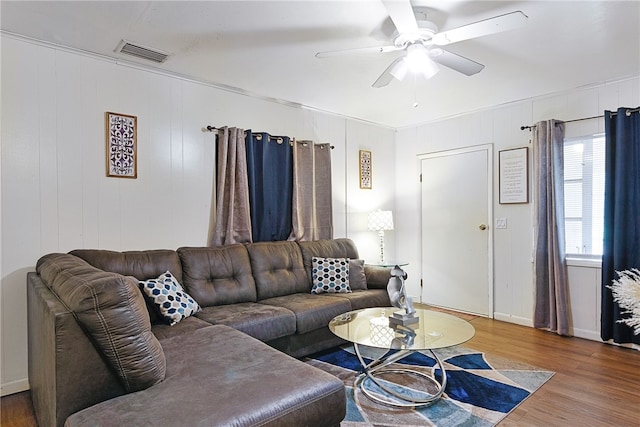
(523,321)
(14,387)
(588,335)
(578,333)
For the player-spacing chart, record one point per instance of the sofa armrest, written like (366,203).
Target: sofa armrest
(66,372)
(377,277)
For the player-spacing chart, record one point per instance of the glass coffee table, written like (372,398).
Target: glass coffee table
(370,327)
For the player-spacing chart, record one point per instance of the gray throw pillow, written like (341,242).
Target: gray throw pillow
(357,278)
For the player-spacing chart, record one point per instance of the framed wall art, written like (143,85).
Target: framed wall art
(122,145)
(365,169)
(514,175)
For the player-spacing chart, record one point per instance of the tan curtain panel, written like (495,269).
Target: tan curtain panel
(550,270)
(312,208)
(232,221)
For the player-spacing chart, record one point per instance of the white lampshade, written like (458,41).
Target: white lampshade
(399,70)
(380,220)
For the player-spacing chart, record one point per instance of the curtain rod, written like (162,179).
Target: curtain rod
(613,113)
(210,128)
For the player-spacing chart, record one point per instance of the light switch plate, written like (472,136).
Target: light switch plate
(501,222)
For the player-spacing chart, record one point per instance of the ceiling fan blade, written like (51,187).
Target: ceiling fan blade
(401,13)
(358,51)
(386,77)
(494,25)
(456,62)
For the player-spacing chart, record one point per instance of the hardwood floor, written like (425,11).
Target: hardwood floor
(16,410)
(595,384)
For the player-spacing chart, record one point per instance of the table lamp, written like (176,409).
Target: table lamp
(381,221)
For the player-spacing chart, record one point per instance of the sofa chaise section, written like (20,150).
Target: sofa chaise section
(244,382)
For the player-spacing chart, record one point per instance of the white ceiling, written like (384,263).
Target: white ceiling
(267,48)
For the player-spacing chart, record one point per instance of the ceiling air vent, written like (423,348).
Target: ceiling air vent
(143,52)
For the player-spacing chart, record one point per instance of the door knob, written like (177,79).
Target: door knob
(482,227)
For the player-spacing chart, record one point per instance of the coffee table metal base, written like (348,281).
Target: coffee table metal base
(380,366)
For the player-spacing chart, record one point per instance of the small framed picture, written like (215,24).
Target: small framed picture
(365,169)
(514,175)
(122,145)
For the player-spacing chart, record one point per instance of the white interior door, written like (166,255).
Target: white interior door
(456,217)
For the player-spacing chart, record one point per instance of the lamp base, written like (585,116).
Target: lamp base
(381,235)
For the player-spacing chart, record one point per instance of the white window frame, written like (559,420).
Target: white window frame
(581,259)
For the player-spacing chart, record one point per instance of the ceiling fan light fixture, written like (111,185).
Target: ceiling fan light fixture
(399,69)
(418,61)
(430,69)
(416,57)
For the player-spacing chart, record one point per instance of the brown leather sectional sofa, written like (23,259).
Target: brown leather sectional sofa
(100,355)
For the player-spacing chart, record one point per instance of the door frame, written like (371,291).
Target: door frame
(490,243)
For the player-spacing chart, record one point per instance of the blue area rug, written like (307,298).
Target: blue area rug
(481,390)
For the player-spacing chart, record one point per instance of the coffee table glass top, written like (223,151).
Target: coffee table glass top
(370,327)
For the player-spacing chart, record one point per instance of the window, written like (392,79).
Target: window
(584,195)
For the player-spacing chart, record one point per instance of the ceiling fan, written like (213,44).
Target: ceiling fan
(421,41)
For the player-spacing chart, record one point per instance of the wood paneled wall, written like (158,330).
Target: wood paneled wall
(55,193)
(513,247)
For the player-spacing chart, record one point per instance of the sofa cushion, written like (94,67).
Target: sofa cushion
(357,278)
(142,265)
(277,269)
(218,376)
(218,275)
(377,277)
(162,331)
(264,322)
(111,310)
(330,275)
(312,311)
(330,248)
(168,297)
(301,345)
(366,298)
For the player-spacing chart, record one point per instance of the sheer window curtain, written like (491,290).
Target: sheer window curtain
(550,272)
(232,222)
(621,246)
(312,206)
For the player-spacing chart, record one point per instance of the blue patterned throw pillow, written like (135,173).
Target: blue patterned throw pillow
(172,302)
(330,275)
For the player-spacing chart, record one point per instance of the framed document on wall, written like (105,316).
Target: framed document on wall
(514,175)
